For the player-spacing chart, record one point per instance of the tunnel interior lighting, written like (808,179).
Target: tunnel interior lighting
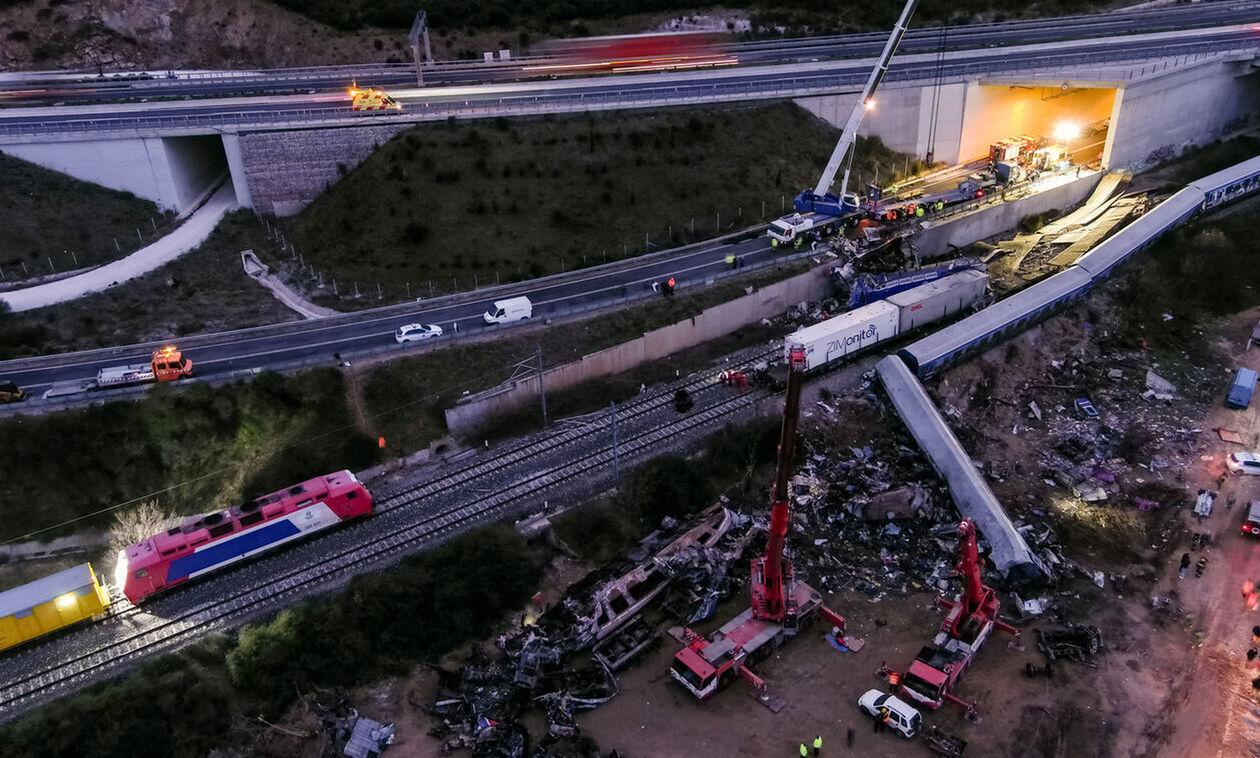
(1067,131)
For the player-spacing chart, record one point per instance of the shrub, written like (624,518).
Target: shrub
(415,232)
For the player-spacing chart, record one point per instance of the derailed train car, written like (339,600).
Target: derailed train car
(932,353)
(51,603)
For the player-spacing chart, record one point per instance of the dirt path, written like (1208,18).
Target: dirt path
(1217,716)
(186,237)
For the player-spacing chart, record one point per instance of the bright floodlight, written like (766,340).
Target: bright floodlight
(1067,131)
(870,104)
(66,602)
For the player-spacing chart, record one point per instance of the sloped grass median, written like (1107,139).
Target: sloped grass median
(443,206)
(49,215)
(204,290)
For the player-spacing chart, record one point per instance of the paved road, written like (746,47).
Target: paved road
(289,344)
(752,82)
(34,87)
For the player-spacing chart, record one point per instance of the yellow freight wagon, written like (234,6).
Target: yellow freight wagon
(51,603)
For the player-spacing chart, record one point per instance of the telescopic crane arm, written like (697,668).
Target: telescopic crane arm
(849,135)
(969,568)
(771,574)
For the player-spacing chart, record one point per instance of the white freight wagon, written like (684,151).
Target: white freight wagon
(936,300)
(847,333)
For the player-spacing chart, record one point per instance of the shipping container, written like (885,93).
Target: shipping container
(847,333)
(51,603)
(936,300)
(1240,391)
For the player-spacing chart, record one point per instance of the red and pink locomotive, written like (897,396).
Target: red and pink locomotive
(203,544)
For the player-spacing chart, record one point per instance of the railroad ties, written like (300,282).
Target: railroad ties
(591,450)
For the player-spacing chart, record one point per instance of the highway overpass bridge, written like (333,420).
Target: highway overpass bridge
(1158,92)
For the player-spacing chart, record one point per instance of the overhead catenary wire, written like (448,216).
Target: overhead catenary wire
(242,464)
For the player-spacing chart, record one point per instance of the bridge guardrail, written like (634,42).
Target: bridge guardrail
(787,86)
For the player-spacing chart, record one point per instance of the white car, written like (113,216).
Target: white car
(903,718)
(1243,463)
(414,332)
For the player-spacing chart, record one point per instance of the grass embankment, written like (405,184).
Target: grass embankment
(668,486)
(210,695)
(204,291)
(202,447)
(49,215)
(406,398)
(1198,162)
(199,447)
(447,205)
(1196,275)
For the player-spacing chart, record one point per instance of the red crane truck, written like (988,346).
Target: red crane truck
(935,672)
(781,606)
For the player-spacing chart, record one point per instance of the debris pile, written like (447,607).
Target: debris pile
(564,660)
(355,735)
(1076,642)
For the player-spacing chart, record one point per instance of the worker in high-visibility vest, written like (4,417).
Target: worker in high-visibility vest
(817,745)
(804,752)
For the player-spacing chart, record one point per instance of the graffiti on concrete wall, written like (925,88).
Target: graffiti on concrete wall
(1161,153)
(1235,124)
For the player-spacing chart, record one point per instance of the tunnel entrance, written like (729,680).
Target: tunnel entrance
(177,173)
(1077,118)
(196,166)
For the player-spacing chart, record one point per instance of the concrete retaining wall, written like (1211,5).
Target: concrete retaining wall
(712,323)
(286,170)
(1157,118)
(937,238)
(901,117)
(173,172)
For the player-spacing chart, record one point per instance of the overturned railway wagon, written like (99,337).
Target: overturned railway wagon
(50,603)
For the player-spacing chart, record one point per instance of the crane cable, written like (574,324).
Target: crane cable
(936,97)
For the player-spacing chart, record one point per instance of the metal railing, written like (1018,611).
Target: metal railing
(1101,65)
(544,313)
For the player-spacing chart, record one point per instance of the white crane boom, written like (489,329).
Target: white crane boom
(849,135)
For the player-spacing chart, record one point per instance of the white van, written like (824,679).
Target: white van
(506,311)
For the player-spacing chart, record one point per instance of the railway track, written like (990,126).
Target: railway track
(515,493)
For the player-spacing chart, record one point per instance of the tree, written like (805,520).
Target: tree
(138,523)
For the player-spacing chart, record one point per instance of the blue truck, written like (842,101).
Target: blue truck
(1241,390)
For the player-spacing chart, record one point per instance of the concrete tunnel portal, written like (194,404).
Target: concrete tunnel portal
(1078,118)
(177,172)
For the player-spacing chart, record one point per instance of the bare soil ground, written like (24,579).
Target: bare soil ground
(1172,677)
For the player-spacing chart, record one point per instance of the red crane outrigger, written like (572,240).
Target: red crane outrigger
(781,606)
(936,670)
